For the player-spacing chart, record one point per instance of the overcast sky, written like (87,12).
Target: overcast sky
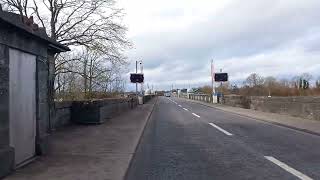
(176,39)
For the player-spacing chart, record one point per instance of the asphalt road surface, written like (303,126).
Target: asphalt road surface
(189,141)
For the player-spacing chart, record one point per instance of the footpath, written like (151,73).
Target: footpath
(300,124)
(99,152)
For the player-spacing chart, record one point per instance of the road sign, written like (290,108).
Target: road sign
(137,78)
(221,77)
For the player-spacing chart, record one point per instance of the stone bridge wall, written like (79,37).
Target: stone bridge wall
(92,112)
(303,107)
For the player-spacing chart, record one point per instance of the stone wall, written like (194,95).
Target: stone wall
(304,107)
(94,112)
(147,98)
(237,101)
(10,37)
(6,152)
(4,96)
(200,97)
(62,115)
(14,34)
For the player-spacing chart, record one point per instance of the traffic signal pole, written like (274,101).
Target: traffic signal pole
(213,95)
(137,83)
(142,84)
(212,80)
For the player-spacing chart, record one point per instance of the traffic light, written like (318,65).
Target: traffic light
(136,78)
(221,77)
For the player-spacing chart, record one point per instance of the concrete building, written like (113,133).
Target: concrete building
(26,64)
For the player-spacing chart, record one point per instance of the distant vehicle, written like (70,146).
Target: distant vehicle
(167,94)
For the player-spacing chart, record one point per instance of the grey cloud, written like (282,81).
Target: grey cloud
(234,35)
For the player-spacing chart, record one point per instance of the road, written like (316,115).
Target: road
(189,141)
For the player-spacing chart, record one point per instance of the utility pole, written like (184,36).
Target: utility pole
(142,84)
(221,90)
(137,83)
(212,78)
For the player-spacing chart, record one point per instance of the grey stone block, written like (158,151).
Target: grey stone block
(3,56)
(63,117)
(86,112)
(6,160)
(4,106)
(4,76)
(4,136)
(43,116)
(42,144)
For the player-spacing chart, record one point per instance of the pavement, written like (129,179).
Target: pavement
(305,125)
(184,140)
(99,152)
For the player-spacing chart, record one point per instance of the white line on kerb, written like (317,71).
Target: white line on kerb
(196,115)
(288,168)
(186,109)
(220,129)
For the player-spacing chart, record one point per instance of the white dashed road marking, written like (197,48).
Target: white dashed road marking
(284,166)
(220,129)
(179,105)
(173,101)
(196,115)
(186,109)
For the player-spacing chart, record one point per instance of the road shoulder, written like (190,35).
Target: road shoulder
(299,124)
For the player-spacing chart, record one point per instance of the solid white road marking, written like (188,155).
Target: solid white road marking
(288,168)
(196,115)
(186,109)
(220,129)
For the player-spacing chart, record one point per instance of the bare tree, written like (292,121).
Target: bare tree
(91,73)
(270,82)
(93,24)
(306,76)
(254,80)
(19,6)
(318,83)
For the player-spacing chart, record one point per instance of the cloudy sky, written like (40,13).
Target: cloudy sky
(176,39)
